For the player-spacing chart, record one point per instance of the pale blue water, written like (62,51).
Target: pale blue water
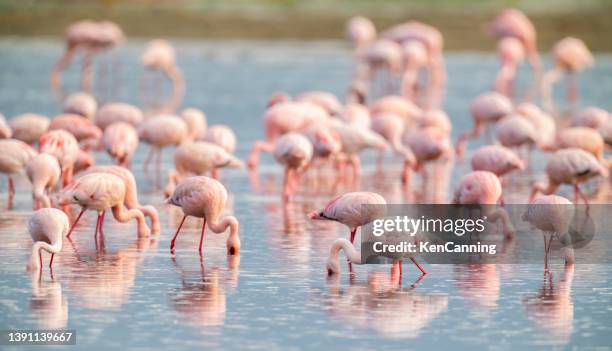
(133,294)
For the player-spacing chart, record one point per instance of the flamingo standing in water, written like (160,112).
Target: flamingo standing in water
(120,141)
(47,227)
(294,151)
(87,134)
(591,117)
(587,139)
(14,157)
(44,173)
(511,52)
(99,192)
(571,56)
(360,32)
(414,59)
(160,55)
(552,215)
(569,166)
(29,127)
(64,147)
(204,197)
(348,210)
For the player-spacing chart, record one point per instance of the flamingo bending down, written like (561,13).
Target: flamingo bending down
(552,215)
(14,158)
(159,132)
(486,108)
(120,141)
(204,197)
(391,127)
(294,151)
(44,173)
(131,193)
(64,147)
(591,117)
(427,144)
(196,122)
(569,166)
(587,139)
(348,209)
(47,227)
(341,244)
(99,192)
(514,131)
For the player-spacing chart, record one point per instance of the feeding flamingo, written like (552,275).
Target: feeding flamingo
(14,158)
(204,197)
(47,227)
(118,112)
(120,141)
(64,147)
(511,53)
(293,151)
(221,135)
(591,117)
(496,159)
(44,173)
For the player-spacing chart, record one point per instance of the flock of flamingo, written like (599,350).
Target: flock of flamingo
(393,103)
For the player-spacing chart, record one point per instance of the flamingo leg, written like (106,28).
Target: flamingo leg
(145,164)
(353,233)
(578,192)
(202,236)
(401,270)
(11,192)
(418,266)
(51,261)
(74,224)
(176,234)
(40,259)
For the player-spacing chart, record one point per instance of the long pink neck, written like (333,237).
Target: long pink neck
(349,250)
(233,240)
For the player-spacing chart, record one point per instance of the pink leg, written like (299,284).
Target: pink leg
(401,270)
(51,261)
(577,193)
(202,236)
(216,173)
(176,234)
(74,224)
(418,265)
(353,232)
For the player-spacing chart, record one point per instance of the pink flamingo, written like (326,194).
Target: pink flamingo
(29,127)
(64,147)
(591,117)
(14,158)
(605,130)
(118,112)
(496,159)
(99,192)
(196,122)
(199,158)
(486,109)
(84,161)
(414,59)
(436,118)
(43,172)
(512,23)
(484,188)
(83,129)
(205,198)
(384,55)
(160,55)
(120,141)
(82,104)
(326,100)
(511,52)
(284,117)
(159,132)
(552,215)
(5,130)
(356,114)
(427,144)
(325,142)
(47,227)
(293,151)
(131,193)
(221,135)
(514,131)
(348,210)
(569,166)
(571,56)
(544,125)
(584,138)
(360,32)
(391,127)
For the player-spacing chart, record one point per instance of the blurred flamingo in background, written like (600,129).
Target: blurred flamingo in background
(293,151)
(205,198)
(511,53)
(47,227)
(29,127)
(118,112)
(14,158)
(120,141)
(221,135)
(44,173)
(82,104)
(63,146)
(496,159)
(592,117)
(5,130)
(160,55)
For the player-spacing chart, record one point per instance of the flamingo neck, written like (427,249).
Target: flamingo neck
(233,240)
(349,250)
(34,263)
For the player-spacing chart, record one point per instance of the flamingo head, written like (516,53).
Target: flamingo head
(333,267)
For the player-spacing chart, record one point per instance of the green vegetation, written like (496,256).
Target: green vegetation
(461,21)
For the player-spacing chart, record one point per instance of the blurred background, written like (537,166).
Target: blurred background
(463,22)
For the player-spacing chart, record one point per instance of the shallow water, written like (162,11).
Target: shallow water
(132,293)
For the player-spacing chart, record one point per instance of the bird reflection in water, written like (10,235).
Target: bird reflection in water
(381,304)
(201,298)
(552,309)
(48,306)
(479,284)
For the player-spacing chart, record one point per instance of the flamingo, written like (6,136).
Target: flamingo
(159,132)
(82,104)
(484,188)
(204,197)
(99,192)
(511,52)
(384,55)
(348,209)
(514,131)
(196,122)
(294,151)
(44,173)
(414,59)
(569,166)
(47,227)
(221,135)
(487,108)
(591,117)
(605,130)
(327,101)
(118,112)
(357,114)
(199,158)
(64,147)
(427,144)
(584,138)
(360,32)
(81,128)
(5,130)
(14,158)
(436,118)
(571,56)
(496,159)
(552,215)
(120,141)
(544,125)
(29,127)
(391,127)
(160,55)
(131,193)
